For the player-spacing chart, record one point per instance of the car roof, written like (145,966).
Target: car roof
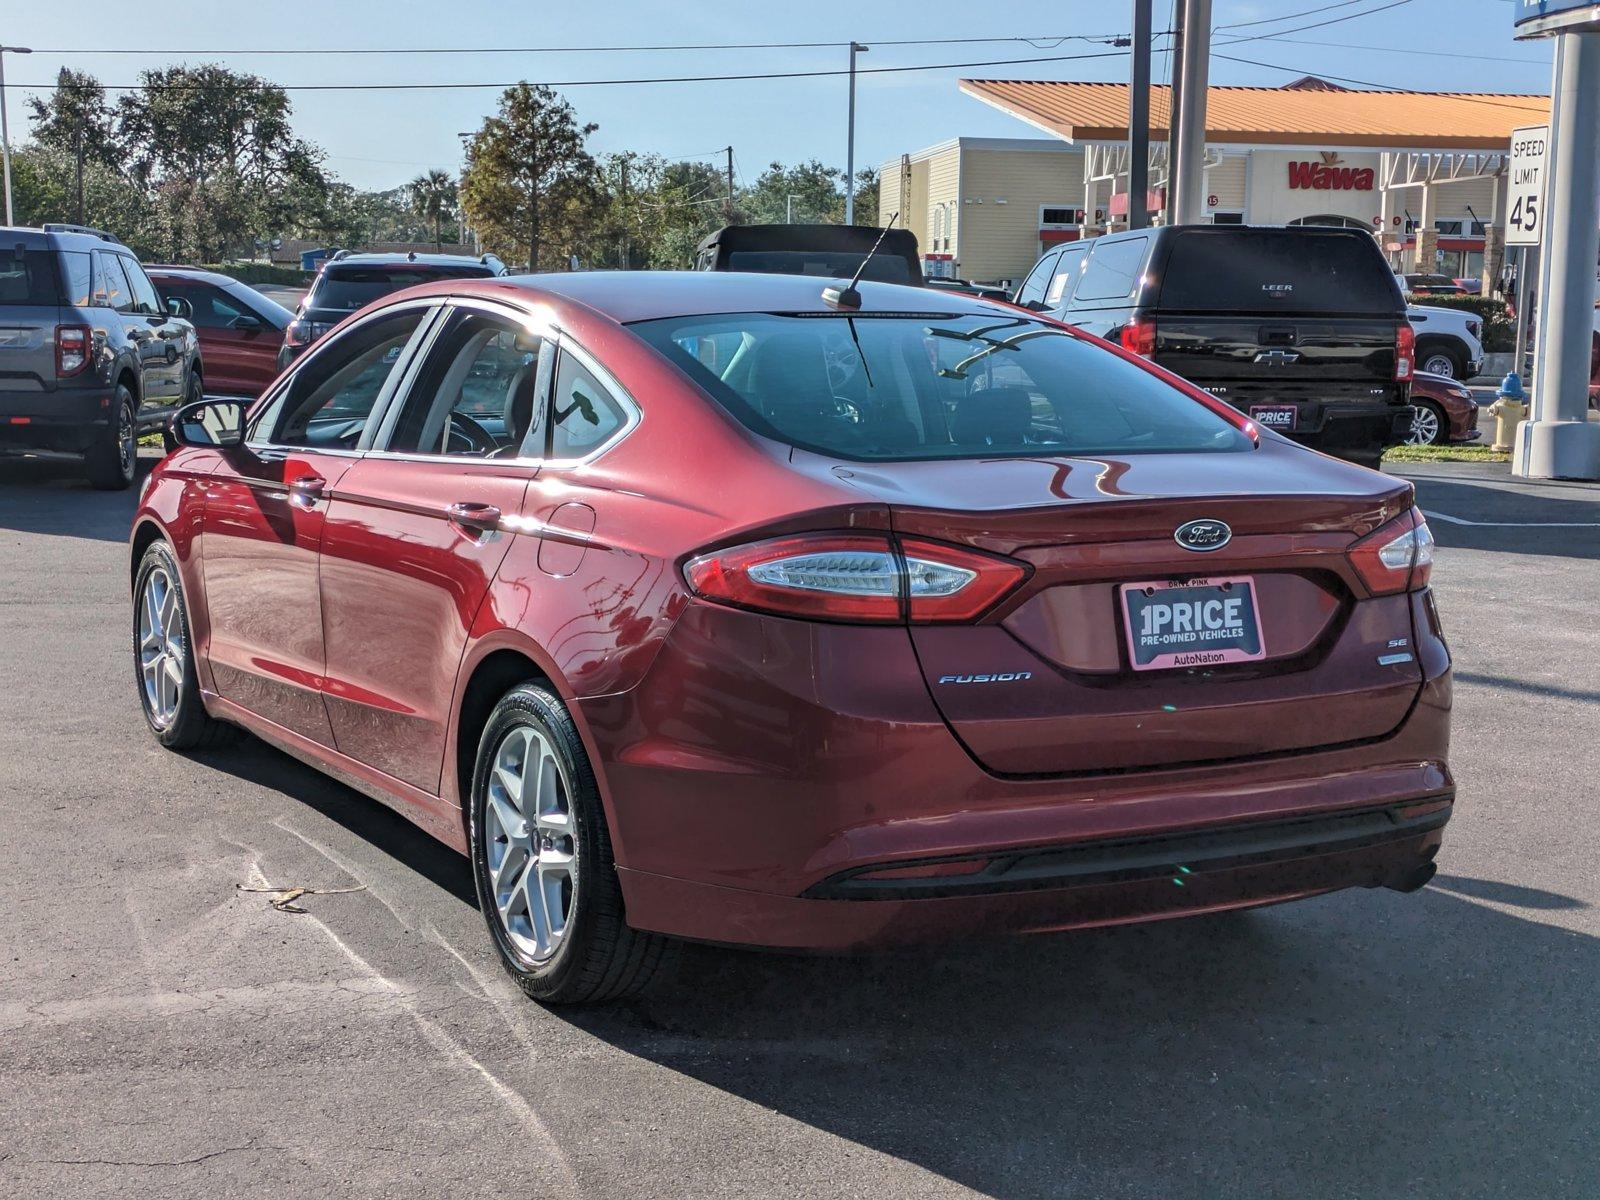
(400,260)
(199,274)
(32,237)
(628,296)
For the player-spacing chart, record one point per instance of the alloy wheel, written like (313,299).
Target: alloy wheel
(1424,426)
(127,440)
(531,844)
(160,648)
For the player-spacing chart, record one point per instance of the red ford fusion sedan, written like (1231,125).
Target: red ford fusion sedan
(707,606)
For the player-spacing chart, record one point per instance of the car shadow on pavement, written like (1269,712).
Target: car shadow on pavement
(1358,1045)
(49,496)
(1522,512)
(255,762)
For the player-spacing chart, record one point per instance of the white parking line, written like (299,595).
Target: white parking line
(1447,518)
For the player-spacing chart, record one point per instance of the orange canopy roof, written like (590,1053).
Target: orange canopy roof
(1098,112)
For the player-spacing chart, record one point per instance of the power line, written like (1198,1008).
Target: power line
(568,83)
(1494,58)
(1054,39)
(1256,37)
(1382,87)
(1287,16)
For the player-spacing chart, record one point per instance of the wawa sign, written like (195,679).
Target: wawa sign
(1324,177)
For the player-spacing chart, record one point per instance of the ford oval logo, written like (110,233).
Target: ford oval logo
(1201,536)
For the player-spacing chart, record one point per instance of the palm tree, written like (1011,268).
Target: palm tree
(433,197)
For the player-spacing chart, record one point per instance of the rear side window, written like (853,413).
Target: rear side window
(28,277)
(1113,270)
(345,289)
(583,413)
(1277,270)
(79,267)
(110,284)
(904,386)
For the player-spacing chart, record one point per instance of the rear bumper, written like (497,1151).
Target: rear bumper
(66,420)
(1335,427)
(764,766)
(1176,889)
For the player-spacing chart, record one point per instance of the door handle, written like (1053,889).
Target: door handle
(306,490)
(479,518)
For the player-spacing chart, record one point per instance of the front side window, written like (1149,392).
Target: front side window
(913,386)
(1064,276)
(1033,287)
(210,307)
(477,395)
(583,414)
(145,300)
(327,402)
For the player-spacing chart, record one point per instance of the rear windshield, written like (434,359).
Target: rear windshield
(28,277)
(922,386)
(346,289)
(1278,270)
(830,264)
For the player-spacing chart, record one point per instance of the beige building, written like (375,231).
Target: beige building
(1424,170)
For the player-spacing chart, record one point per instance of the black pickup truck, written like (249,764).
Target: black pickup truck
(1301,327)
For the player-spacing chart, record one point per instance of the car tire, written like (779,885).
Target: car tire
(1430,426)
(1438,361)
(536,818)
(110,463)
(163,658)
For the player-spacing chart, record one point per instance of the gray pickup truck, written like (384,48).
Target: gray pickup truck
(89,355)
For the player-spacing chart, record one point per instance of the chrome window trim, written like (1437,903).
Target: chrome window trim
(430,307)
(547,329)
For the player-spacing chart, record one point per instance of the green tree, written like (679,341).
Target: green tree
(817,192)
(433,197)
(222,140)
(867,197)
(531,186)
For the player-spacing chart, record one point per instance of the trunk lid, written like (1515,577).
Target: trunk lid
(1045,685)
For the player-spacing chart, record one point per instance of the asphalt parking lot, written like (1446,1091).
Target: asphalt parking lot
(164,1034)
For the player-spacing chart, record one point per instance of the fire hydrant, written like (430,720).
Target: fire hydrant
(1509,410)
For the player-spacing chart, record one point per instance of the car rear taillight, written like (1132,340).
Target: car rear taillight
(72,349)
(1139,336)
(1405,350)
(1397,557)
(856,578)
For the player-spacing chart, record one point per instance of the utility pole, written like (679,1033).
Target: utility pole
(622,228)
(80,166)
(1169,210)
(1190,181)
(1559,441)
(729,213)
(5,132)
(850,142)
(1139,118)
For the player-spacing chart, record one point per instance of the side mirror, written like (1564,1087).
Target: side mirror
(217,423)
(1036,306)
(245,323)
(177,306)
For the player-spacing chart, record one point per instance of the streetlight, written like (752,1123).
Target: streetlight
(850,145)
(5,132)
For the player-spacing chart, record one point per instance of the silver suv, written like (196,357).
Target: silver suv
(89,355)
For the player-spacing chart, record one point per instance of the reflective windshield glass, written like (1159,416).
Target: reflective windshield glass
(349,288)
(917,386)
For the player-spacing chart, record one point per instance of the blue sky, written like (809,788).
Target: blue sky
(379,139)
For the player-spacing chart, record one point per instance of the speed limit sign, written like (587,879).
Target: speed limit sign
(1525,185)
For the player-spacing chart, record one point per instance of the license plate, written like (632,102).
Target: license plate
(1275,416)
(1192,622)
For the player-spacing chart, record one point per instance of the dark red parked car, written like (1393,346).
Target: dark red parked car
(1445,411)
(697,606)
(240,330)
